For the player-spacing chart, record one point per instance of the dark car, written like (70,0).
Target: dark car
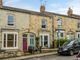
(70,47)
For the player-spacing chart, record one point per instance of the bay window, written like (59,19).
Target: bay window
(9,40)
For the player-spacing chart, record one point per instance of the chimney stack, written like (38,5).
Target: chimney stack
(70,12)
(42,8)
(1,3)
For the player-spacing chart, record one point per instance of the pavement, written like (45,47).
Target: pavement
(54,57)
(31,56)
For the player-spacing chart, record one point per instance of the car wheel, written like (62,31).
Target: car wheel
(71,53)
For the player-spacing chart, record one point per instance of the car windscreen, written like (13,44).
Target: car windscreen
(68,43)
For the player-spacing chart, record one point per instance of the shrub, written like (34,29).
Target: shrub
(56,42)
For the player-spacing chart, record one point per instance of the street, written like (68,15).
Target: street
(53,57)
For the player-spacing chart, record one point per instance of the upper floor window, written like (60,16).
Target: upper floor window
(61,35)
(78,25)
(11,20)
(59,22)
(44,23)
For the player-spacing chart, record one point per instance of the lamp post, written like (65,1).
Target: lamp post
(58,38)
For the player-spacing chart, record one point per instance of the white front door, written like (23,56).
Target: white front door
(44,40)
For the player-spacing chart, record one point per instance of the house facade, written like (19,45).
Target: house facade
(12,28)
(71,14)
(41,26)
(21,28)
(65,27)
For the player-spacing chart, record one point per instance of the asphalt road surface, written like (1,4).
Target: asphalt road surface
(53,57)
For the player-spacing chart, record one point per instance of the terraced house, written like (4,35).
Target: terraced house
(64,26)
(21,28)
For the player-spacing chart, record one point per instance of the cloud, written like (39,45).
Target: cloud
(62,8)
(19,4)
(75,5)
(10,2)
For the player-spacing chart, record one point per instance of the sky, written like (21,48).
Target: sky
(56,6)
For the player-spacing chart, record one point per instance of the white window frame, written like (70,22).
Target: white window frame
(44,23)
(59,22)
(8,19)
(77,34)
(43,40)
(15,33)
(30,38)
(60,34)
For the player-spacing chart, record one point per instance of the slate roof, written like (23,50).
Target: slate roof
(49,14)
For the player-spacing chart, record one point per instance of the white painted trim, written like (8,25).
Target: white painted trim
(34,39)
(15,33)
(43,34)
(14,40)
(2,41)
(60,31)
(9,48)
(6,39)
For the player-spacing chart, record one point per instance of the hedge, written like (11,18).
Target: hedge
(56,42)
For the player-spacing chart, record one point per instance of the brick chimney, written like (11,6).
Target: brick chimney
(70,12)
(42,8)
(1,3)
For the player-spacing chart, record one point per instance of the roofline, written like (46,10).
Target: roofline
(46,13)
(63,15)
(24,11)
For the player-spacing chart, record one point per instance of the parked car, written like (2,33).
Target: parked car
(70,47)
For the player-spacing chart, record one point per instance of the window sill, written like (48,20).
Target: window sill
(9,48)
(44,29)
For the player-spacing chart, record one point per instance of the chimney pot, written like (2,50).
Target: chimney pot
(42,8)
(1,3)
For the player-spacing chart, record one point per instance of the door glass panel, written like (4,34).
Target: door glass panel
(32,40)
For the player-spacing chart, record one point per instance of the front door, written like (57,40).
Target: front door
(32,40)
(24,42)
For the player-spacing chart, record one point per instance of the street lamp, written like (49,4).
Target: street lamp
(58,38)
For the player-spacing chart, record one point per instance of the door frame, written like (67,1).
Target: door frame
(26,40)
(34,39)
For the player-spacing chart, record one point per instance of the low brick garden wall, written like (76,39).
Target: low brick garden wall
(10,54)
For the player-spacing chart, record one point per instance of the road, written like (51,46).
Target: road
(53,57)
